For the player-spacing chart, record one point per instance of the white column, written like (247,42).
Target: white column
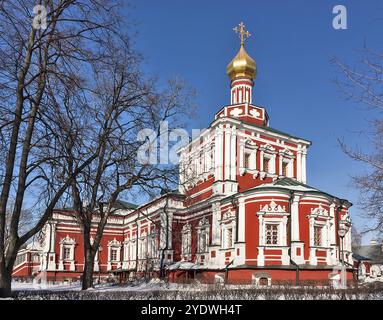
(233,153)
(280,165)
(218,153)
(227,153)
(332,235)
(242,153)
(295,219)
(216,216)
(304,153)
(241,220)
(299,165)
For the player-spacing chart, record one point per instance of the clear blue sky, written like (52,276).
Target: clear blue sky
(292,42)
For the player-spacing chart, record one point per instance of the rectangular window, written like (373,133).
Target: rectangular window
(202,241)
(317,236)
(113,255)
(266,163)
(66,253)
(272,234)
(229,238)
(284,169)
(247,160)
(186,248)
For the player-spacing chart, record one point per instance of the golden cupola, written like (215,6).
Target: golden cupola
(242,66)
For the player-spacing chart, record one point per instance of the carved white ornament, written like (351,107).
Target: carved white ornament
(255,113)
(273,207)
(203,222)
(236,112)
(320,211)
(268,147)
(228,214)
(67,240)
(287,152)
(186,227)
(114,242)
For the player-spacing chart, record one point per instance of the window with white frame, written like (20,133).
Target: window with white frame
(66,253)
(266,164)
(114,250)
(247,160)
(268,155)
(113,254)
(143,243)
(186,239)
(228,237)
(285,168)
(272,234)
(153,246)
(318,236)
(203,241)
(203,235)
(67,246)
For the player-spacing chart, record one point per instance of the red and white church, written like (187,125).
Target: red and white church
(243,210)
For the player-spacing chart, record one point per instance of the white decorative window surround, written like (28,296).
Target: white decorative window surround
(286,163)
(67,247)
(203,235)
(186,241)
(114,251)
(248,157)
(228,229)
(267,161)
(153,245)
(320,222)
(272,219)
(143,246)
(127,247)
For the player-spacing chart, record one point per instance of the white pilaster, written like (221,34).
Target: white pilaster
(233,153)
(299,165)
(241,220)
(304,153)
(295,219)
(227,153)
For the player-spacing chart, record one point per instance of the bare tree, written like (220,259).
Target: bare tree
(364,84)
(121,106)
(36,59)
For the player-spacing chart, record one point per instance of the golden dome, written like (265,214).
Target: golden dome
(242,66)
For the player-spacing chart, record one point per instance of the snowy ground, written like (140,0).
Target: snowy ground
(158,290)
(150,286)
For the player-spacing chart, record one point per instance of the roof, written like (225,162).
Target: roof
(120,204)
(371,252)
(358,257)
(291,184)
(276,131)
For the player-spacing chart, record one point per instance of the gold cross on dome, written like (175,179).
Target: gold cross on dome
(243,35)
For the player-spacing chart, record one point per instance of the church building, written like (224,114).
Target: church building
(243,212)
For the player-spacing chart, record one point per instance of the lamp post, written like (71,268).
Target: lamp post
(342,231)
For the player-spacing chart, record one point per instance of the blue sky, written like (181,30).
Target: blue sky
(292,42)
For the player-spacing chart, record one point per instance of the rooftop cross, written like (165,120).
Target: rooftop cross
(242,33)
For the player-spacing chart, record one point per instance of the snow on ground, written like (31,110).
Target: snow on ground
(145,286)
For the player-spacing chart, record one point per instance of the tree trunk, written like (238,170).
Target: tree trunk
(5,282)
(87,275)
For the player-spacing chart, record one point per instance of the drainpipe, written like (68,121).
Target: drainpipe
(291,260)
(227,270)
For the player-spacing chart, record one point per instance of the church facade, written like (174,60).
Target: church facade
(243,211)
